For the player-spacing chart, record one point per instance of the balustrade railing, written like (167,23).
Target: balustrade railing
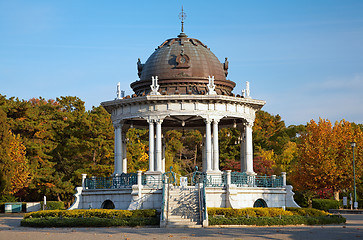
(124,180)
(241,179)
(268,181)
(244,180)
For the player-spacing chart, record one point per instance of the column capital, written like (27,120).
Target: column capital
(216,120)
(248,124)
(159,121)
(117,124)
(208,120)
(150,120)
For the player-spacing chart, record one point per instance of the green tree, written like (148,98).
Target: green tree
(5,161)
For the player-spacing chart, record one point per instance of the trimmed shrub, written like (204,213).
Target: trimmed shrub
(251,212)
(284,220)
(100,213)
(326,204)
(90,218)
(307,212)
(53,205)
(88,222)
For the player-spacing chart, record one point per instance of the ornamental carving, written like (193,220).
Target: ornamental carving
(182,60)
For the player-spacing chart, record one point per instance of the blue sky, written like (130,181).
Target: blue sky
(305,58)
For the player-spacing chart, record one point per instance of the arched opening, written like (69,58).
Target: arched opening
(260,203)
(108,204)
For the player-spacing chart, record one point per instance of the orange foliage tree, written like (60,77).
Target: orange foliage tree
(20,167)
(325,157)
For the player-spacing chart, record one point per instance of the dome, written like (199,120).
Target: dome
(183,66)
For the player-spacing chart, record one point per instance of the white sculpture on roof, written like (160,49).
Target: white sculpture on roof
(154,86)
(211,86)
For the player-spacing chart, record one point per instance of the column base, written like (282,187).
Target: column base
(213,172)
(153,173)
(251,173)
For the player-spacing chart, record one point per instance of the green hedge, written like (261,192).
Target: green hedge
(100,213)
(283,220)
(90,218)
(251,212)
(88,222)
(264,212)
(307,212)
(53,205)
(326,204)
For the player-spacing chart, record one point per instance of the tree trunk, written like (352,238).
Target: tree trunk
(336,195)
(94,157)
(58,196)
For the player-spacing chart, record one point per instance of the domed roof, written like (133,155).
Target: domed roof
(183,66)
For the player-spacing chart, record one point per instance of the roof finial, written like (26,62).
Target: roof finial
(182,17)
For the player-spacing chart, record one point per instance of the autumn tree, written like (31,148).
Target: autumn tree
(137,149)
(229,148)
(264,162)
(14,168)
(325,157)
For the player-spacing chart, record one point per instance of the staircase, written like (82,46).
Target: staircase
(182,207)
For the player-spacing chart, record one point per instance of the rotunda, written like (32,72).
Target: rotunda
(183,85)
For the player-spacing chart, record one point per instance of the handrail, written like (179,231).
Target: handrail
(204,203)
(170,176)
(201,178)
(163,204)
(200,205)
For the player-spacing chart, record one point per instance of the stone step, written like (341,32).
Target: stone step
(183,225)
(179,209)
(181,212)
(183,202)
(182,191)
(184,221)
(181,195)
(182,209)
(184,205)
(184,216)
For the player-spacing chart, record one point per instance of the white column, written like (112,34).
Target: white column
(283,174)
(243,150)
(139,183)
(159,152)
(208,145)
(249,149)
(118,149)
(151,145)
(84,180)
(215,146)
(204,164)
(124,153)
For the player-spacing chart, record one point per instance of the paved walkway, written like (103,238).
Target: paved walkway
(10,229)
